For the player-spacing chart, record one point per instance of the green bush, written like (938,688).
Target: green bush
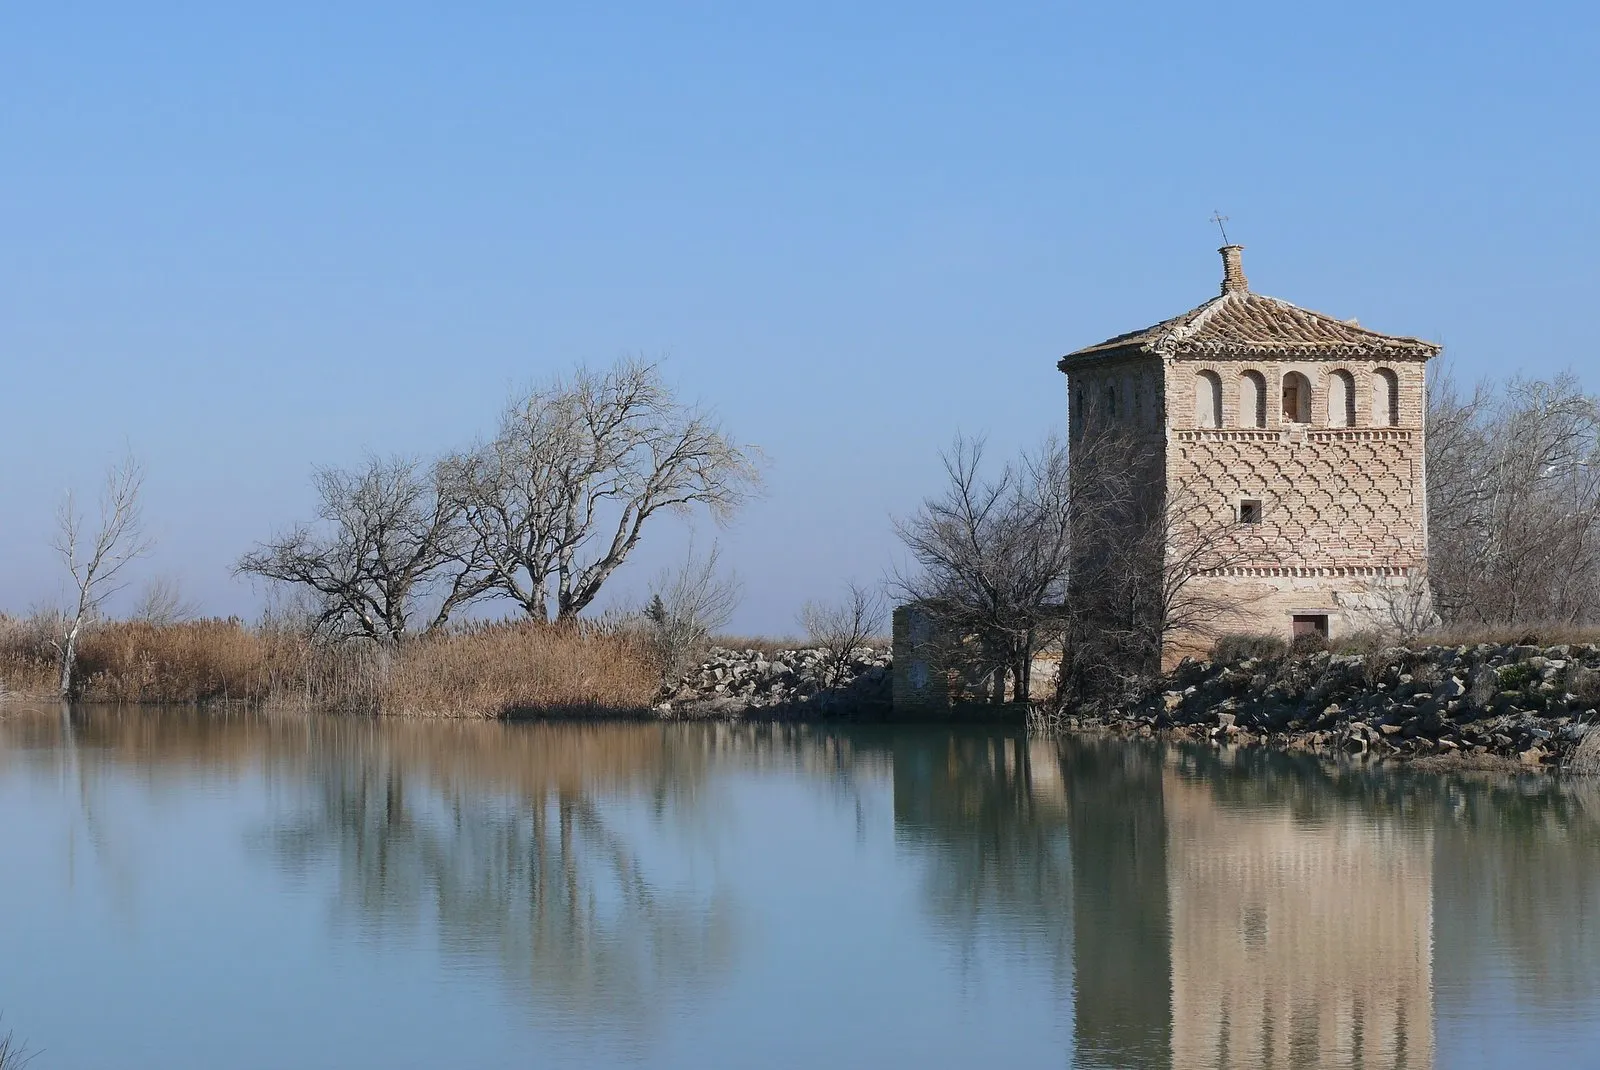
(1516,677)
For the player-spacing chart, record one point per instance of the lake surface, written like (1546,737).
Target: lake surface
(181,890)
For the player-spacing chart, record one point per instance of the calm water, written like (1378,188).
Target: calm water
(187,891)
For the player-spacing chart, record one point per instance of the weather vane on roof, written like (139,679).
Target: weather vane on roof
(1218,218)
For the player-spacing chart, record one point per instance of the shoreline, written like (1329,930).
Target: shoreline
(1297,744)
(1493,706)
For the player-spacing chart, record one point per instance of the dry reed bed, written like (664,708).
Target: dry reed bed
(480,671)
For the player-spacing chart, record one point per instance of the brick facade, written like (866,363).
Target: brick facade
(1311,427)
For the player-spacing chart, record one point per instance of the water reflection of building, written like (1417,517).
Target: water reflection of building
(1295,943)
(1223,919)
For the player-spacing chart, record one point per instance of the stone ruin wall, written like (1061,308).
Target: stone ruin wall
(928,680)
(921,681)
(1344,511)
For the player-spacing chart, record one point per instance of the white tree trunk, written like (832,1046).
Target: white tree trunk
(69,657)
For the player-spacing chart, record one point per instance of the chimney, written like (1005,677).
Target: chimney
(1233,280)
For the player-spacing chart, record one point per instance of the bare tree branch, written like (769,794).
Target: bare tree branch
(1514,502)
(388,536)
(1144,548)
(991,554)
(687,606)
(96,558)
(561,495)
(163,602)
(840,629)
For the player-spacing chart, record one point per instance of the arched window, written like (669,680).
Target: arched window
(1078,413)
(1296,398)
(1207,400)
(1385,398)
(1111,400)
(1154,411)
(1252,400)
(1341,399)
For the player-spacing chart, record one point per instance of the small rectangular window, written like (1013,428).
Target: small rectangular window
(1250,511)
(1310,624)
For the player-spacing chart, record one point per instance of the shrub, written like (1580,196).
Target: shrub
(1310,643)
(1365,641)
(686,608)
(1517,676)
(1231,648)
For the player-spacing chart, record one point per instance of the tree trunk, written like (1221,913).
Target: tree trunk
(69,657)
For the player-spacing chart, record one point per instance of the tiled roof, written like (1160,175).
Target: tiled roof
(1245,324)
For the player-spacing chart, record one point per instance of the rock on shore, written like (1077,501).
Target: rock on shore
(782,684)
(1488,703)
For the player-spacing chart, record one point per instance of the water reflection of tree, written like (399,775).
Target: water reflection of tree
(1055,850)
(1517,867)
(551,855)
(1121,930)
(554,855)
(986,814)
(514,847)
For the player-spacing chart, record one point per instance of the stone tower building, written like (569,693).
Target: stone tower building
(1303,430)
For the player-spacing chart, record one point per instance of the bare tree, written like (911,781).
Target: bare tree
(388,537)
(1514,502)
(1404,609)
(95,558)
(561,495)
(990,556)
(841,628)
(1145,545)
(687,606)
(162,601)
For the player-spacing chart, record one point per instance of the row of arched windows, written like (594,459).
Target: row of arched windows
(1131,399)
(1297,402)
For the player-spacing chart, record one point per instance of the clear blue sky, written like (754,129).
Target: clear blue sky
(250,241)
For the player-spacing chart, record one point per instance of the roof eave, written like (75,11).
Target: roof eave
(1101,354)
(1409,349)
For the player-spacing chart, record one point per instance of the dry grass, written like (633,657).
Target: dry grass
(491,670)
(14,1054)
(768,645)
(1231,648)
(1543,635)
(133,661)
(508,669)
